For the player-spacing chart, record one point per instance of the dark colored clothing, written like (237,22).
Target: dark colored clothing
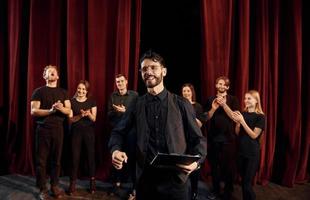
(221,126)
(195,176)
(82,132)
(47,97)
(156,117)
(249,153)
(222,157)
(76,107)
(203,117)
(118,99)
(161,184)
(49,134)
(180,134)
(248,166)
(48,145)
(247,145)
(221,135)
(128,100)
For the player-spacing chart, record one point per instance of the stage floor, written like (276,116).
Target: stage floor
(18,187)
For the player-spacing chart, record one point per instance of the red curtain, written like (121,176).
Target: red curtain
(92,40)
(259,45)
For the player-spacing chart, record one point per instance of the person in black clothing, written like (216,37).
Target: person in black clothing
(164,123)
(120,101)
(82,118)
(188,92)
(50,105)
(249,127)
(221,137)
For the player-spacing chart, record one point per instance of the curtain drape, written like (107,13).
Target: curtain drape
(92,40)
(260,45)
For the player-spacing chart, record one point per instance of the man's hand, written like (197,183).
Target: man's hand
(58,105)
(221,101)
(119,108)
(215,104)
(118,158)
(187,169)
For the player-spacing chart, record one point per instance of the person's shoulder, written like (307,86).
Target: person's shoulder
(62,89)
(182,101)
(141,97)
(92,101)
(197,104)
(38,92)
(39,89)
(114,93)
(211,98)
(132,92)
(232,97)
(260,116)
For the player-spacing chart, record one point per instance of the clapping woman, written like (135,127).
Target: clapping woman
(249,128)
(82,118)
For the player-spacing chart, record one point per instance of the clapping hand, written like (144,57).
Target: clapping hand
(119,108)
(237,117)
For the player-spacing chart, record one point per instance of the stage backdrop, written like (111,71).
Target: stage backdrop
(264,45)
(92,40)
(259,44)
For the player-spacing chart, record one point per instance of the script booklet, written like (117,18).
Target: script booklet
(164,160)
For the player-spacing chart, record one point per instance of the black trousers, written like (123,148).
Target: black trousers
(194,178)
(48,145)
(161,184)
(223,165)
(247,168)
(83,136)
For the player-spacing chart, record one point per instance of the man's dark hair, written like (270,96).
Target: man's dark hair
(120,75)
(153,56)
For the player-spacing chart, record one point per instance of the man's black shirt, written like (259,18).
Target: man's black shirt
(156,116)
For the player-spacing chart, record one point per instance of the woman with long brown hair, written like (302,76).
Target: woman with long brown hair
(82,118)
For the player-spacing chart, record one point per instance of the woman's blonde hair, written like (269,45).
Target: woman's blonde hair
(258,107)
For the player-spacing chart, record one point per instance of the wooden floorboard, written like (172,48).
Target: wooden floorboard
(18,187)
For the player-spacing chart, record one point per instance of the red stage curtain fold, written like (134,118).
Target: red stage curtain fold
(260,46)
(91,40)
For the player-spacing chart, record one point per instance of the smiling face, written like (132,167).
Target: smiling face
(249,101)
(81,91)
(121,83)
(187,93)
(221,86)
(152,73)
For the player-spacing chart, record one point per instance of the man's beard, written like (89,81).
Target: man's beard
(221,90)
(154,82)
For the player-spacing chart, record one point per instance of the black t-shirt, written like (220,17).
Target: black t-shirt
(247,145)
(221,126)
(77,106)
(47,97)
(199,113)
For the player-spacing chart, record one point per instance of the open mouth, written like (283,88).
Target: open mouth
(149,78)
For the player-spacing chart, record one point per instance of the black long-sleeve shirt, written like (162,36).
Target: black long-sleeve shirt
(116,98)
(157,140)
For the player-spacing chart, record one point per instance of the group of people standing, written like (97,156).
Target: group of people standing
(158,121)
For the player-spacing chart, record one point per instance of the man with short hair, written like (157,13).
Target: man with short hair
(50,105)
(164,123)
(120,101)
(222,137)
